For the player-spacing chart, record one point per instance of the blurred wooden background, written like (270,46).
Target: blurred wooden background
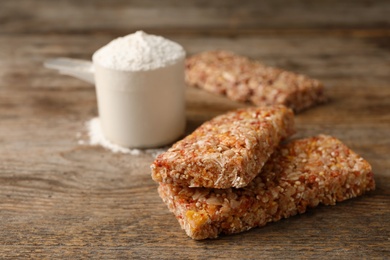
(63,199)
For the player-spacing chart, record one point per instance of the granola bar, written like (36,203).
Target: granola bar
(241,79)
(298,175)
(227,151)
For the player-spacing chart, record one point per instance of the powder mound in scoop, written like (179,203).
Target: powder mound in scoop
(138,52)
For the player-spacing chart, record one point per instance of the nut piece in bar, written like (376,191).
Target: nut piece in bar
(227,151)
(301,174)
(245,80)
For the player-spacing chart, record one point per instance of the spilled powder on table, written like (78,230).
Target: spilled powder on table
(97,138)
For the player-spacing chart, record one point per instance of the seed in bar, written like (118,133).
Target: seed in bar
(245,80)
(301,174)
(227,151)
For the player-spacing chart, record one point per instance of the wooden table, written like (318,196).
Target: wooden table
(60,198)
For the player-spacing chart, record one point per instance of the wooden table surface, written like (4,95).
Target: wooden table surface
(63,199)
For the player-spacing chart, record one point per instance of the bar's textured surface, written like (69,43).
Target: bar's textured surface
(301,174)
(241,79)
(227,151)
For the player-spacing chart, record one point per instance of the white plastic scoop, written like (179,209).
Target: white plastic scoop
(140,88)
(137,109)
(81,69)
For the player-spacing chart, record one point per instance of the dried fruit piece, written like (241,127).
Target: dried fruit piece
(298,175)
(227,151)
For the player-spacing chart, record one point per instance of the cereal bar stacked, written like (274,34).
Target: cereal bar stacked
(233,173)
(227,151)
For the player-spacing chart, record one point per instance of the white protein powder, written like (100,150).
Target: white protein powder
(97,138)
(137,52)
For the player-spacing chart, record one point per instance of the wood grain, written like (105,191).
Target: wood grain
(121,16)
(62,199)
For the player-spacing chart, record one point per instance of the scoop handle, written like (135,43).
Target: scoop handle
(81,69)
